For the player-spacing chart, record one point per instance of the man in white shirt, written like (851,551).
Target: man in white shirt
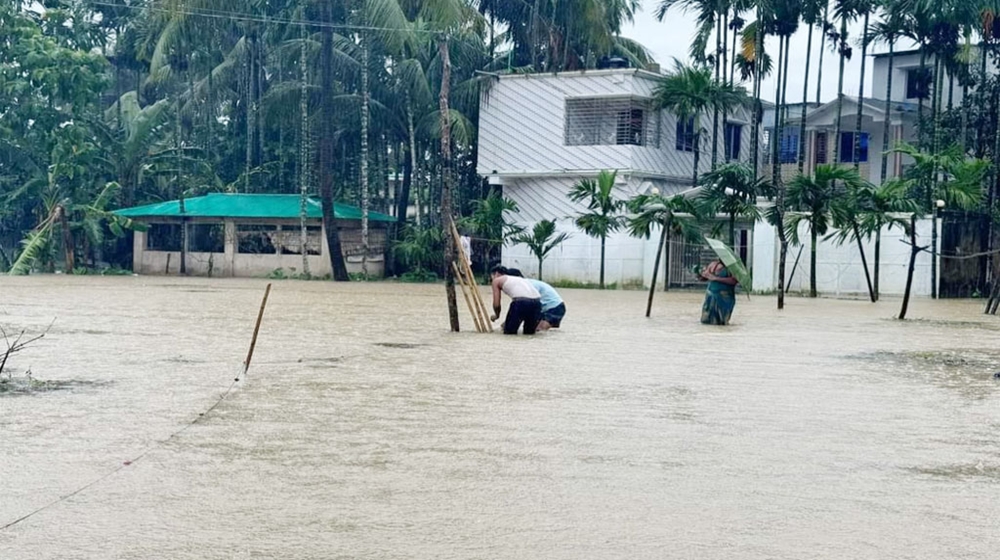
(525,302)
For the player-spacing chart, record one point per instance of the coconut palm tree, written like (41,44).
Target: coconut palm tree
(604,209)
(690,91)
(810,199)
(541,241)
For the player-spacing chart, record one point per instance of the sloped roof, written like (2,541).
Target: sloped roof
(261,206)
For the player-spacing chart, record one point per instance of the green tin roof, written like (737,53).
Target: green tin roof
(226,205)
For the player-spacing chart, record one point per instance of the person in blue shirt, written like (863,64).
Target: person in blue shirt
(553,306)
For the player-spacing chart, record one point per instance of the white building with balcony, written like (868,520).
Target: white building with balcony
(540,134)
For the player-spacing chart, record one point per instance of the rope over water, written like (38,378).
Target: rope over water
(240,374)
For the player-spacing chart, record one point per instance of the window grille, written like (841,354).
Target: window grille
(821,149)
(609,122)
(207,238)
(163,237)
(350,242)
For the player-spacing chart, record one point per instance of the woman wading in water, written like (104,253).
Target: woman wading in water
(720,296)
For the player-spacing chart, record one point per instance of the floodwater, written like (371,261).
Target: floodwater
(366,430)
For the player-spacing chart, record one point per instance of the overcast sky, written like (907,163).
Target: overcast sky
(672,38)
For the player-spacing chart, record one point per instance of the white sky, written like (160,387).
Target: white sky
(672,39)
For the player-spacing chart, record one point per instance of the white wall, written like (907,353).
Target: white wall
(838,268)
(522,128)
(628,260)
(901,64)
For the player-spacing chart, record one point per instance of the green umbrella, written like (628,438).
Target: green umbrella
(732,262)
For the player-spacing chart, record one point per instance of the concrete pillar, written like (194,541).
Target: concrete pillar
(230,248)
(138,248)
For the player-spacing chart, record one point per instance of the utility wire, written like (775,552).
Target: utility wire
(243,16)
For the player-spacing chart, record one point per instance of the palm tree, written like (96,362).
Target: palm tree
(541,241)
(657,209)
(845,11)
(812,198)
(811,14)
(864,7)
(733,190)
(960,186)
(888,31)
(490,219)
(880,207)
(604,216)
(689,92)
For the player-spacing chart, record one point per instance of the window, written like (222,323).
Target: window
(685,135)
(789,146)
(207,238)
(821,148)
(847,148)
(918,83)
(163,237)
(734,141)
(258,240)
(611,121)
(631,129)
(290,239)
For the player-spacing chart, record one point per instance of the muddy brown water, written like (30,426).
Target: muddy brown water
(366,430)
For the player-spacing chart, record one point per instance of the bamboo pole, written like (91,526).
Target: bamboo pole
(465,294)
(256,329)
(478,296)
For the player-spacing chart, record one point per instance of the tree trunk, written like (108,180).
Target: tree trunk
(414,170)
(822,50)
(251,114)
(757,65)
(656,265)
(603,240)
(304,155)
(697,149)
(403,194)
(179,186)
(864,261)
(364,155)
(327,116)
(447,214)
(715,107)
(812,261)
(805,96)
(840,95)
(878,256)
(68,245)
(885,134)
(777,181)
(909,272)
(920,99)
(856,155)
(540,259)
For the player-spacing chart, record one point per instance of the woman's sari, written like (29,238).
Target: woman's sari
(720,300)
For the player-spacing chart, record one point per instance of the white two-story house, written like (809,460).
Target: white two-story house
(540,134)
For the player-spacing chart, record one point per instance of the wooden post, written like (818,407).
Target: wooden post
(465,294)
(472,278)
(256,329)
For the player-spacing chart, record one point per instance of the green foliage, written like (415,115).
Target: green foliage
(420,249)
(811,198)
(604,216)
(541,241)
(491,221)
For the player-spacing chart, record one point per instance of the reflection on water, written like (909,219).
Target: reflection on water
(366,430)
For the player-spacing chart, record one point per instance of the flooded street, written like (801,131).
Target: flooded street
(366,430)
